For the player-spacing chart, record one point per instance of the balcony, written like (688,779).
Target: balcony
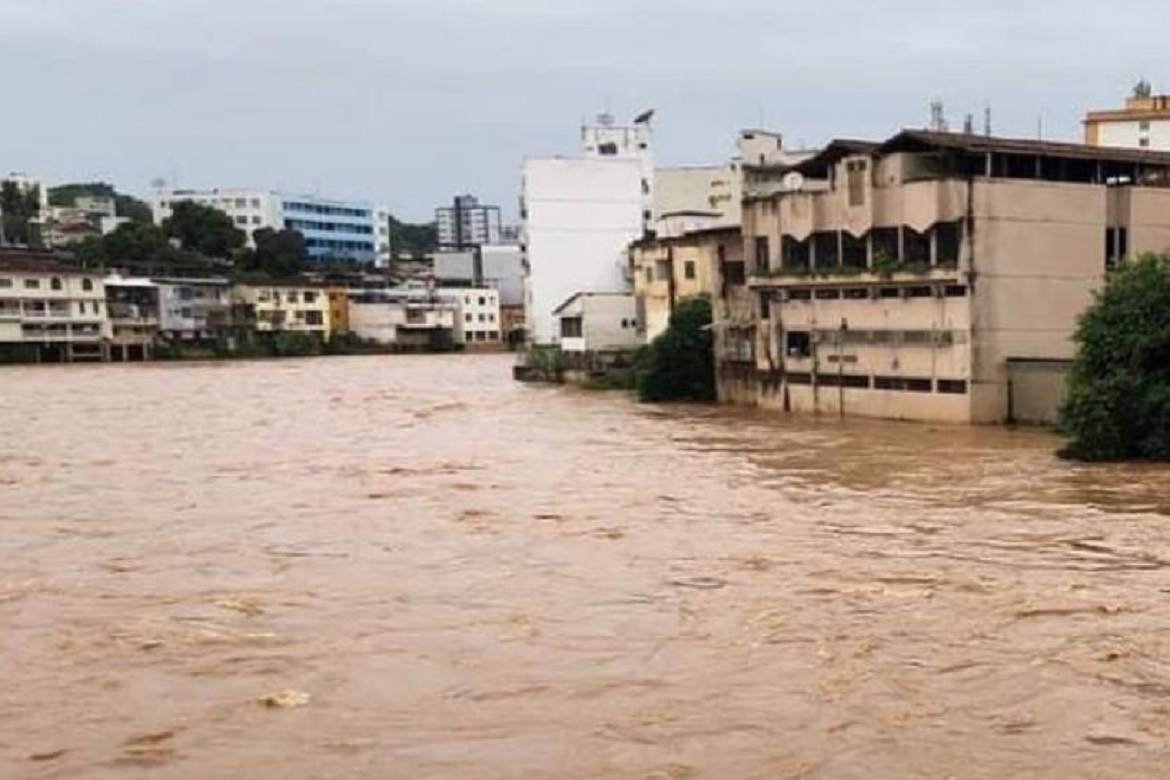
(896,274)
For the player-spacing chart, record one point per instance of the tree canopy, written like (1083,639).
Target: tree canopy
(278,255)
(124,205)
(141,248)
(1118,402)
(416,240)
(19,209)
(679,365)
(203,229)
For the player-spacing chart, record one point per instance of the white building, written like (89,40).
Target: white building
(598,322)
(51,311)
(580,213)
(353,230)
(479,313)
(193,309)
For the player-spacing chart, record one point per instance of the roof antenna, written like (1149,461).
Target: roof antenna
(969,124)
(938,117)
(1039,127)
(987,119)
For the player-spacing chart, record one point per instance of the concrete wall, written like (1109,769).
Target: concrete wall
(581,216)
(712,188)
(1036,390)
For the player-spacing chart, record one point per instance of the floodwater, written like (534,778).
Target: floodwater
(410,567)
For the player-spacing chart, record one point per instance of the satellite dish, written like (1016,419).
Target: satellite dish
(644,117)
(793,182)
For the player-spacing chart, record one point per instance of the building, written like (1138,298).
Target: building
(466,222)
(132,304)
(286,308)
(194,311)
(332,229)
(408,319)
(935,276)
(338,309)
(479,321)
(669,268)
(597,323)
(500,267)
(1144,122)
(50,310)
(89,216)
(581,213)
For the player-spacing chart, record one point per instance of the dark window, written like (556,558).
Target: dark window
(826,249)
(733,273)
(799,379)
(607,150)
(87,285)
(829,294)
(55,283)
(1143,142)
(843,380)
(571,327)
(856,294)
(952,386)
(765,306)
(890,292)
(885,245)
(32,284)
(689,269)
(853,250)
(947,236)
(917,246)
(314,318)
(762,254)
(955,291)
(1116,246)
(800,295)
(796,253)
(902,384)
(798,344)
(919,292)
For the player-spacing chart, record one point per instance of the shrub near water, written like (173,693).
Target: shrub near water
(1118,403)
(679,365)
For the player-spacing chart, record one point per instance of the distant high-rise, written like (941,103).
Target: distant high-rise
(466,222)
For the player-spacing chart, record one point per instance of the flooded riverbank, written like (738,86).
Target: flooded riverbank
(413,567)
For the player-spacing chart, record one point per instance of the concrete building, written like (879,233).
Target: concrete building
(89,216)
(193,310)
(290,308)
(467,222)
(132,304)
(581,213)
(667,269)
(935,276)
(333,229)
(1144,123)
(596,323)
(478,323)
(409,319)
(51,311)
(500,267)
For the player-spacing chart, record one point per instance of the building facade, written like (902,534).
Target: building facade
(286,308)
(478,323)
(193,310)
(50,311)
(936,276)
(595,323)
(408,319)
(132,304)
(467,222)
(332,229)
(668,269)
(1144,123)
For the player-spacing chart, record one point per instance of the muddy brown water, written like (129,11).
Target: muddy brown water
(414,568)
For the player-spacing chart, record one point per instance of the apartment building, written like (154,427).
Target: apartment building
(194,310)
(332,229)
(132,305)
(407,319)
(292,308)
(1143,123)
(479,322)
(935,276)
(668,268)
(51,311)
(467,222)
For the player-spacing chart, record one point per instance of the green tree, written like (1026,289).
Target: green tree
(679,365)
(203,229)
(124,205)
(416,240)
(141,248)
(278,255)
(19,210)
(1118,402)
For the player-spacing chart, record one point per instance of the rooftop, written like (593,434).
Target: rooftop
(26,261)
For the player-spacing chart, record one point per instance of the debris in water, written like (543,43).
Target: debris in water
(52,755)
(700,583)
(286,700)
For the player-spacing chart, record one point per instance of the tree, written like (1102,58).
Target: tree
(124,205)
(1118,401)
(278,254)
(19,210)
(203,229)
(417,240)
(679,365)
(142,249)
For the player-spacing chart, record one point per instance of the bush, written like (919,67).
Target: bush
(1118,402)
(679,365)
(292,344)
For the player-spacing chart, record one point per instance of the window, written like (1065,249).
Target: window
(1144,125)
(762,254)
(1116,245)
(255,220)
(855,174)
(310,296)
(947,236)
(689,269)
(645,187)
(571,327)
(607,150)
(765,306)
(241,220)
(796,254)
(827,294)
(1144,142)
(482,318)
(291,296)
(799,379)
(87,285)
(955,291)
(255,203)
(952,386)
(314,318)
(482,301)
(241,203)
(826,249)
(467,317)
(649,274)
(798,344)
(902,384)
(5,282)
(733,274)
(32,284)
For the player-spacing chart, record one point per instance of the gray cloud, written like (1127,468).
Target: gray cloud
(409,101)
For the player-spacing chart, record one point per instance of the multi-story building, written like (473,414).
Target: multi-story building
(467,222)
(593,324)
(409,319)
(500,267)
(332,229)
(479,314)
(133,310)
(1144,122)
(51,311)
(193,310)
(293,308)
(580,214)
(936,276)
(669,268)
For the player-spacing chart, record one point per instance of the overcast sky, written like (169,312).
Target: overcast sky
(407,102)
